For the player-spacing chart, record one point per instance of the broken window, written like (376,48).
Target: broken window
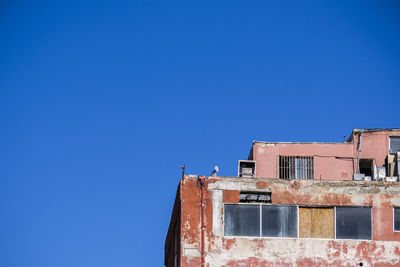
(396,218)
(394,144)
(255,197)
(279,221)
(353,223)
(296,167)
(365,166)
(241,220)
(316,222)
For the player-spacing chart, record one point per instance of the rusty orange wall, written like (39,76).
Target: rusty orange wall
(325,168)
(190,219)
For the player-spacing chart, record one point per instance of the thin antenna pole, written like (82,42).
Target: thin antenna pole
(183,170)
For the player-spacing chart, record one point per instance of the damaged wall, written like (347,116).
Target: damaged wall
(382,250)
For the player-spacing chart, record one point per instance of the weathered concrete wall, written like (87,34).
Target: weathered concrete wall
(303,252)
(382,250)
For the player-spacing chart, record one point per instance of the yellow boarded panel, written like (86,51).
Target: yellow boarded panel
(316,223)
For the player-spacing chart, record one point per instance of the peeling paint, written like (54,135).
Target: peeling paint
(383,250)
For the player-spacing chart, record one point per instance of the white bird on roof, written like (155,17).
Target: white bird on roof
(215,171)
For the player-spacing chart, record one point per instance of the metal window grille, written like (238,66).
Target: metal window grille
(296,167)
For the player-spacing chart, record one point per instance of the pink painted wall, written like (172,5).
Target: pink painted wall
(326,166)
(374,145)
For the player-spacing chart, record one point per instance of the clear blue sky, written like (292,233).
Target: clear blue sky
(102,101)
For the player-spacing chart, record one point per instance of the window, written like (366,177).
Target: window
(245,220)
(353,223)
(241,220)
(300,168)
(279,221)
(247,168)
(316,222)
(255,197)
(260,220)
(394,144)
(396,219)
(365,166)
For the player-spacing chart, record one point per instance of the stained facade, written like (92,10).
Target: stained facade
(294,204)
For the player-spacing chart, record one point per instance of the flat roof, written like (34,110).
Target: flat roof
(376,130)
(333,143)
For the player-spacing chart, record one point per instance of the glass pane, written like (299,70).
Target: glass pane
(279,221)
(394,144)
(397,219)
(241,220)
(353,222)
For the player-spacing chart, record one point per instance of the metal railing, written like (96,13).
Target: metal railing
(296,167)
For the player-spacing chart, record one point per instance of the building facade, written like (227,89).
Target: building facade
(294,204)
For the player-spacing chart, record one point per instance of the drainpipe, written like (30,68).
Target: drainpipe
(359,145)
(201,180)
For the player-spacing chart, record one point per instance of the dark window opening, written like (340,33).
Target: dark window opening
(365,166)
(396,219)
(299,168)
(353,223)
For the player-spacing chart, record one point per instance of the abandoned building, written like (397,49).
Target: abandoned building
(294,204)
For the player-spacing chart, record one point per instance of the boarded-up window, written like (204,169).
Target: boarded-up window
(279,221)
(353,223)
(316,223)
(396,214)
(241,220)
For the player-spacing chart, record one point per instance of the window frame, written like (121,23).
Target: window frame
(223,219)
(394,230)
(295,166)
(260,210)
(298,222)
(281,237)
(318,207)
(372,223)
(394,137)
